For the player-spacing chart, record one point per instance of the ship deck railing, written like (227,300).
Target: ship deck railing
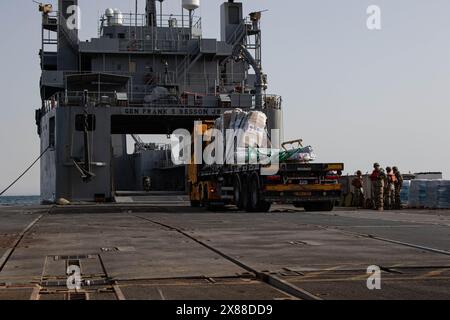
(121,100)
(207,81)
(137,23)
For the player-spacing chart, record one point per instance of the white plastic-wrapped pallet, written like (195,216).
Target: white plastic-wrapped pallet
(417,193)
(404,193)
(254,126)
(431,194)
(249,130)
(443,195)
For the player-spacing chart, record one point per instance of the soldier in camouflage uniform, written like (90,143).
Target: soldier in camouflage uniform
(389,191)
(398,188)
(358,185)
(378,178)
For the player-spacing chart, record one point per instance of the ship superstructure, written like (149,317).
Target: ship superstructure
(145,73)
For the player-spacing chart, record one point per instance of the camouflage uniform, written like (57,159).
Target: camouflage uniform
(379,191)
(389,191)
(398,188)
(378,179)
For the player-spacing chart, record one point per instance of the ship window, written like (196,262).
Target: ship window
(79,122)
(234,15)
(132,67)
(51,132)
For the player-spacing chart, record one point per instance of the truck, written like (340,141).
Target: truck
(312,186)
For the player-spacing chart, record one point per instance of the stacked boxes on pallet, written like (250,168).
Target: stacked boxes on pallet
(431,194)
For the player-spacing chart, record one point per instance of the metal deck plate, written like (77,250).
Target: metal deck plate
(152,252)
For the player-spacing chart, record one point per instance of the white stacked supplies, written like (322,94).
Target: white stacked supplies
(443,195)
(431,194)
(418,193)
(249,131)
(404,192)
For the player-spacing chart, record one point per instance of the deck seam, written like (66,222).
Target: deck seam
(10,251)
(269,279)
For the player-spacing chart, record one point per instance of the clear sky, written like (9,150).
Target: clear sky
(357,96)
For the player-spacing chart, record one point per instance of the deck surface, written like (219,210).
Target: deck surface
(166,250)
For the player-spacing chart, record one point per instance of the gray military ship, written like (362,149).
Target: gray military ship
(144,74)
(151,73)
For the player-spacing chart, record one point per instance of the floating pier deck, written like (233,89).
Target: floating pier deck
(147,251)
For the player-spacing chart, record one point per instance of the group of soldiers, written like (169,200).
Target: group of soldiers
(386,187)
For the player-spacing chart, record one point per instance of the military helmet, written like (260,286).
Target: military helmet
(388,169)
(395,169)
(376,165)
(359,172)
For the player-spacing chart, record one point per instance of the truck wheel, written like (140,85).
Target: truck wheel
(245,194)
(298,204)
(264,206)
(195,203)
(327,206)
(237,190)
(204,197)
(254,194)
(319,207)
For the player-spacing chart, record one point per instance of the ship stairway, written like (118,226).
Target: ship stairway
(239,35)
(188,62)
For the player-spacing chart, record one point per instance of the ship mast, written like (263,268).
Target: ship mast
(150,12)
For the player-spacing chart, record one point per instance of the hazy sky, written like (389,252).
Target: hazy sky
(357,96)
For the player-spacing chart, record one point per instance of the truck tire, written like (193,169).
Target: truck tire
(254,194)
(195,204)
(204,196)
(319,206)
(245,194)
(237,192)
(256,203)
(264,206)
(298,204)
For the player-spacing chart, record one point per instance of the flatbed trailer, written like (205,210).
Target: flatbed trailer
(313,186)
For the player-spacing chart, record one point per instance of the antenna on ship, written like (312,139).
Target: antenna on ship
(161,12)
(150,12)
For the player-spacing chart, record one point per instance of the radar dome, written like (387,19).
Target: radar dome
(117,17)
(109,12)
(191,4)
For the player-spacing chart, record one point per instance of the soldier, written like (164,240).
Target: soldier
(147,184)
(389,191)
(357,183)
(378,177)
(398,188)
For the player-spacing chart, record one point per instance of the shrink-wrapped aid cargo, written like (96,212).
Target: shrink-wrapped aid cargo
(254,129)
(417,193)
(404,193)
(431,194)
(443,195)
